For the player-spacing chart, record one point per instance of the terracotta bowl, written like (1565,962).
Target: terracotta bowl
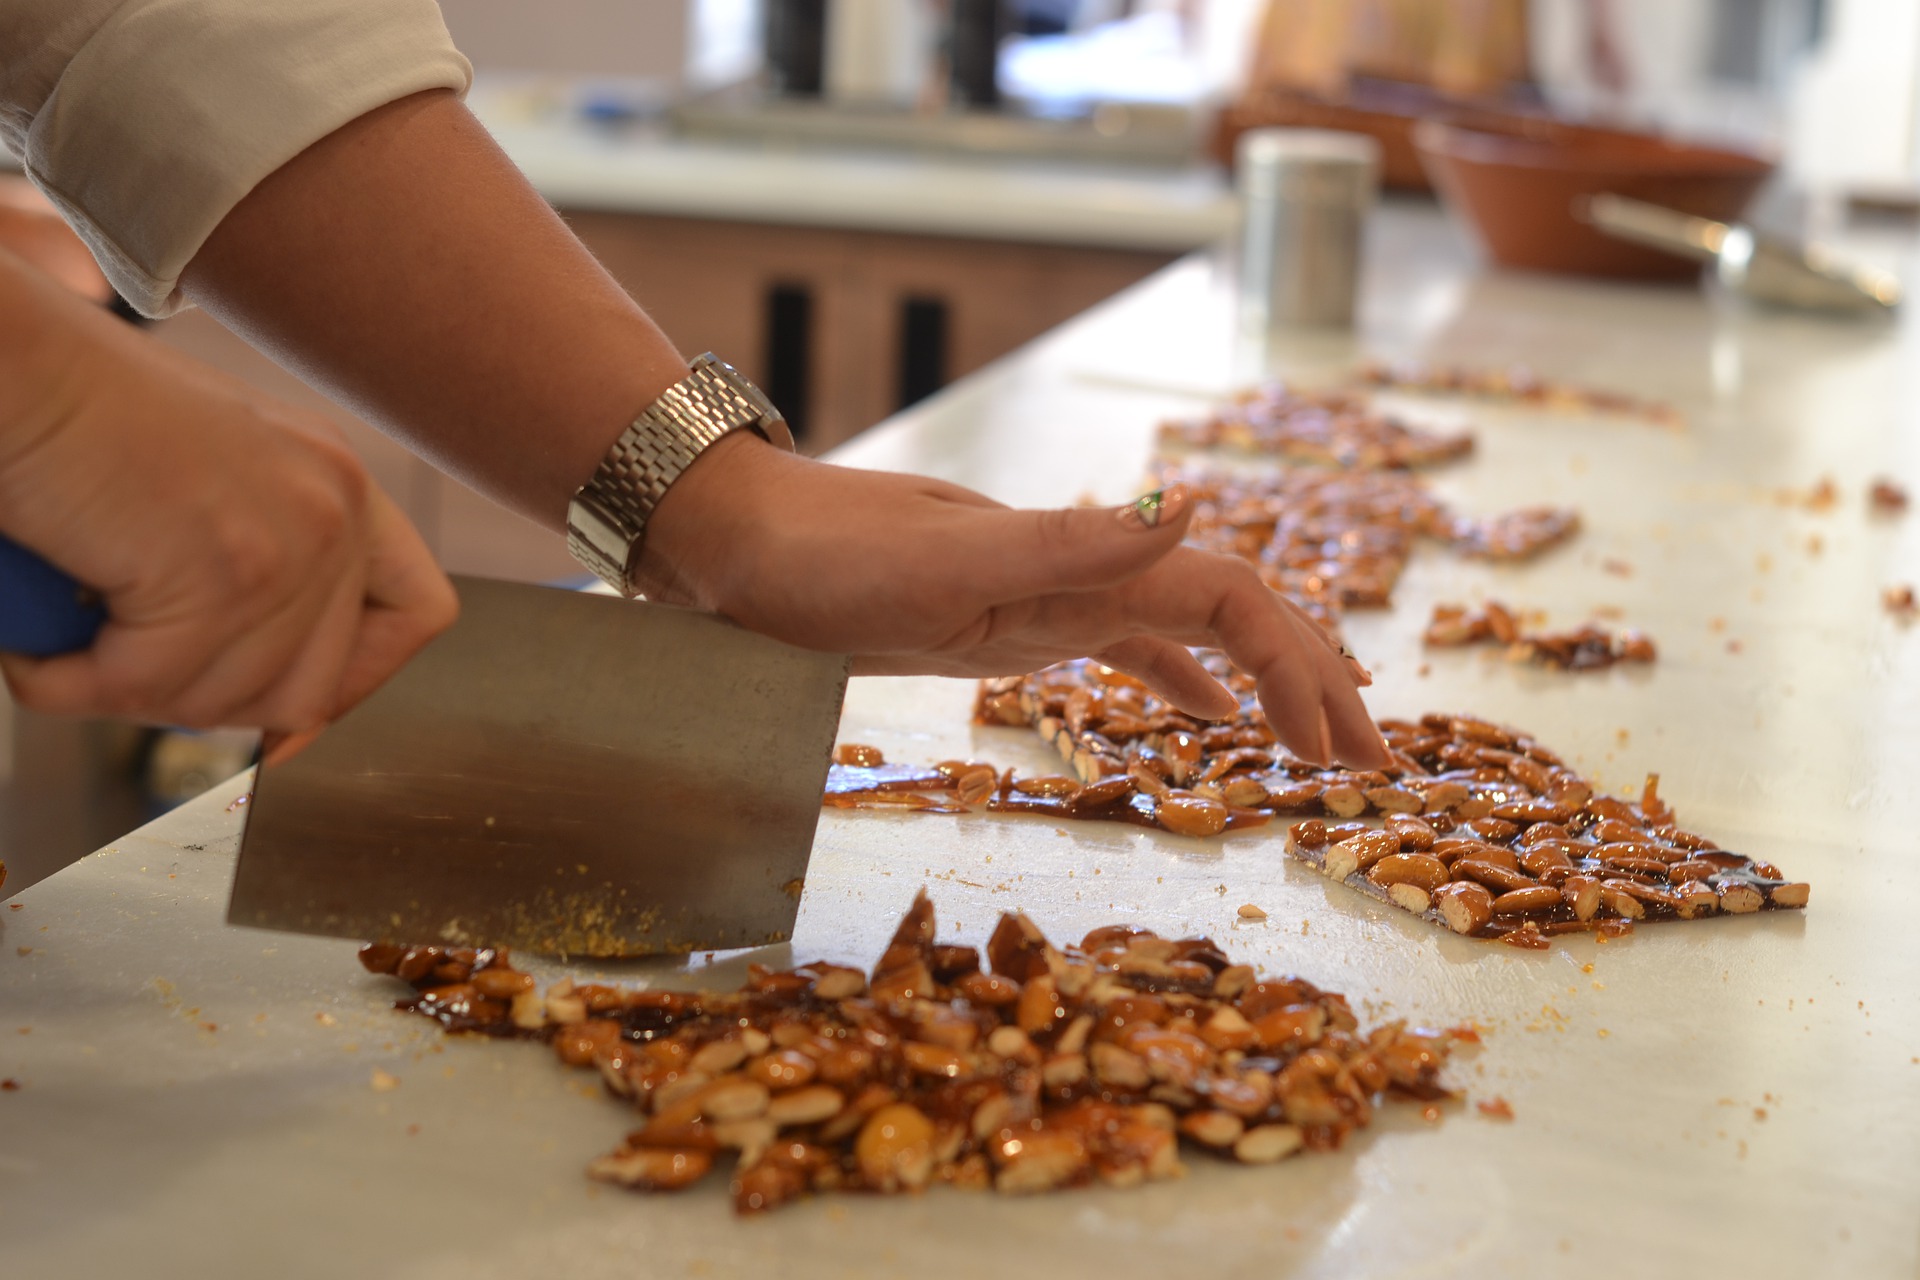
(1522,193)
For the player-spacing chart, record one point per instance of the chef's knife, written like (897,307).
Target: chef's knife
(559,772)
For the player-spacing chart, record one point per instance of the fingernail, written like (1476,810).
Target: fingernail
(1155,509)
(278,748)
(1360,673)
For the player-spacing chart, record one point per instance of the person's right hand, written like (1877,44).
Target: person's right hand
(252,573)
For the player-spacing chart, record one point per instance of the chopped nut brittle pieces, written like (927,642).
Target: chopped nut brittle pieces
(1056,1067)
(953,786)
(1517,382)
(1589,647)
(1900,602)
(1495,1108)
(1332,428)
(1824,495)
(858,754)
(1335,540)
(1886,498)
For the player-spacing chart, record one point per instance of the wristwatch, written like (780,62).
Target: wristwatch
(607,519)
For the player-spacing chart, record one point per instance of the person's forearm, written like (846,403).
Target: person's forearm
(405,267)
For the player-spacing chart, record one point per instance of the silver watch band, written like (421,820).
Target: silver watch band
(607,519)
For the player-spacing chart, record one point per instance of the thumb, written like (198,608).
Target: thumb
(67,685)
(1020,554)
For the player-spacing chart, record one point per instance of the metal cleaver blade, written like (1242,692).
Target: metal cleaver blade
(564,773)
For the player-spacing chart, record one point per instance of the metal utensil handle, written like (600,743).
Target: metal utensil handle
(1655,226)
(43,612)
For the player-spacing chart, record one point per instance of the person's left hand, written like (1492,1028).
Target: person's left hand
(916,576)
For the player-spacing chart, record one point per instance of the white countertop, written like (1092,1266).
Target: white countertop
(1739,1097)
(642,169)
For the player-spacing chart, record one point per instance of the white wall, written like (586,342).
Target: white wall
(1853,114)
(582,37)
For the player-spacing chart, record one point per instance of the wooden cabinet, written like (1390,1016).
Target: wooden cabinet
(844,328)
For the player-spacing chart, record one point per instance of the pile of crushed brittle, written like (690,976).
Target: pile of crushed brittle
(1053,1067)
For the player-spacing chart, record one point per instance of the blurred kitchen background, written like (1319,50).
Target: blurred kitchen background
(859,201)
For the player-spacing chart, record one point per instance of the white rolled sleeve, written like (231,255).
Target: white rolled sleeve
(146,121)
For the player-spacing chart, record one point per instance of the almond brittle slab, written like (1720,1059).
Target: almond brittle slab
(1509,843)
(1480,828)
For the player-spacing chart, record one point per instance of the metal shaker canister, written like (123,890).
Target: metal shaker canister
(1304,197)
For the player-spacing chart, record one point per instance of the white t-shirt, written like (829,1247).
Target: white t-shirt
(146,121)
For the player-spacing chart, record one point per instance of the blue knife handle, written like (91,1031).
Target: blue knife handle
(43,612)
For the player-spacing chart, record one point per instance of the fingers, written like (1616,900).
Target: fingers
(1262,641)
(294,665)
(274,670)
(1200,598)
(408,602)
(1010,555)
(130,672)
(1193,597)
(335,632)
(1304,683)
(1360,746)
(1172,671)
(278,748)
(389,603)
(1311,697)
